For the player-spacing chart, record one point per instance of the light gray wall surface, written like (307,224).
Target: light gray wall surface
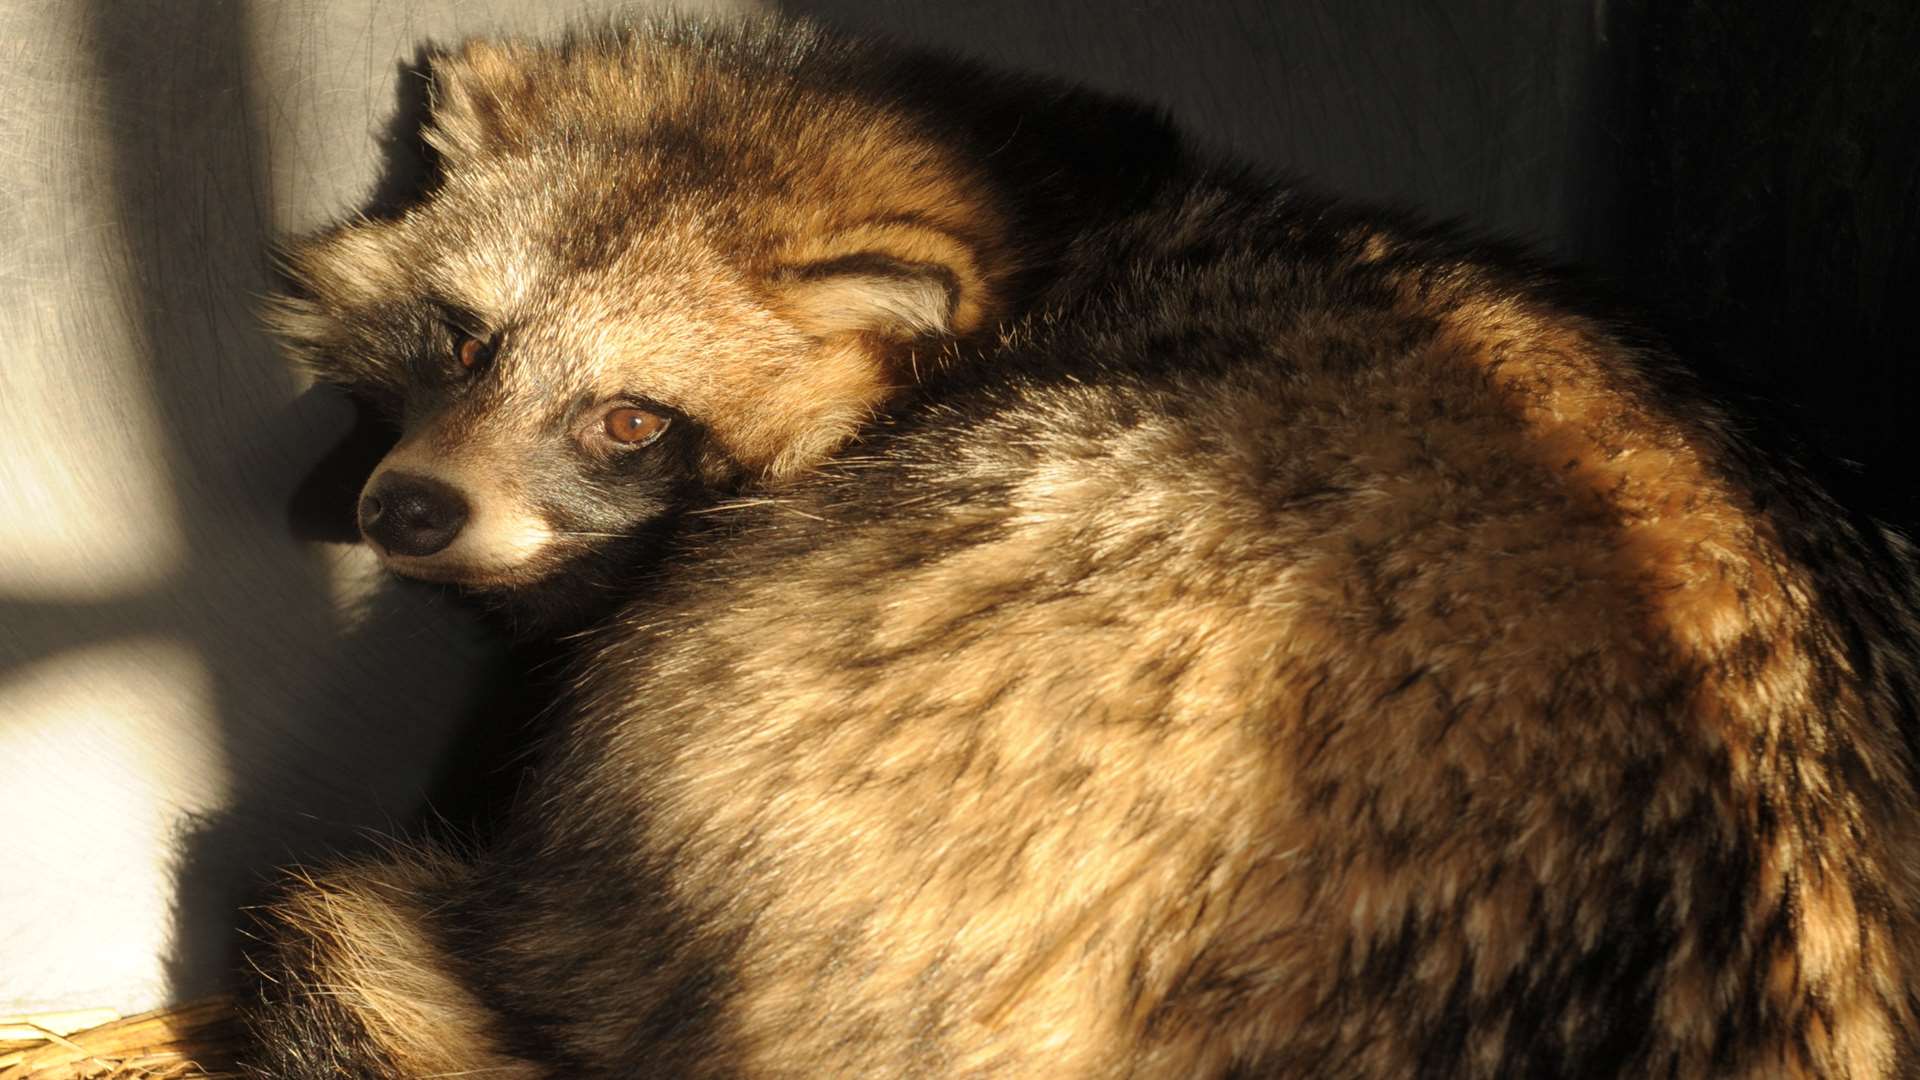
(190,694)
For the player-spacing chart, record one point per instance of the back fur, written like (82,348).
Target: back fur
(1306,645)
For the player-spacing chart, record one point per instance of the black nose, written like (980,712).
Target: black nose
(411,515)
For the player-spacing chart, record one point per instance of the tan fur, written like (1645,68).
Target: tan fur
(1717,575)
(360,922)
(1651,565)
(1297,646)
(887,192)
(832,263)
(966,312)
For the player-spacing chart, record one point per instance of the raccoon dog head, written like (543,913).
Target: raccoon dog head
(653,266)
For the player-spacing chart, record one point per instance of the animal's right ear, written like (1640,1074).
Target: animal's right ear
(893,280)
(337,279)
(473,94)
(867,295)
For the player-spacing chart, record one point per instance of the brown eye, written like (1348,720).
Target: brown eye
(634,427)
(472,352)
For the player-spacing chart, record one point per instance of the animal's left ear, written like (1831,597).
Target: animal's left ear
(900,282)
(474,94)
(336,277)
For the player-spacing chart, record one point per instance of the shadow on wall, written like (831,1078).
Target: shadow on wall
(191,690)
(312,752)
(195,694)
(1772,216)
(1485,112)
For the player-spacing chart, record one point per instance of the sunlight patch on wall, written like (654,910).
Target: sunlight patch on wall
(100,768)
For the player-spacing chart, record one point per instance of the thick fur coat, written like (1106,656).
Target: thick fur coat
(1224,634)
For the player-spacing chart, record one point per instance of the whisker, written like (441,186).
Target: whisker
(736,504)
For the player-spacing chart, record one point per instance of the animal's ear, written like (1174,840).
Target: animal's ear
(897,281)
(335,279)
(471,95)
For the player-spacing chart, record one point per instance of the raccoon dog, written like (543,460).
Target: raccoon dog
(1147,621)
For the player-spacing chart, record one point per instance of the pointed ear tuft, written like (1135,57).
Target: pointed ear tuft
(470,94)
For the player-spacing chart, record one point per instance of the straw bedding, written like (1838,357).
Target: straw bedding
(197,1041)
